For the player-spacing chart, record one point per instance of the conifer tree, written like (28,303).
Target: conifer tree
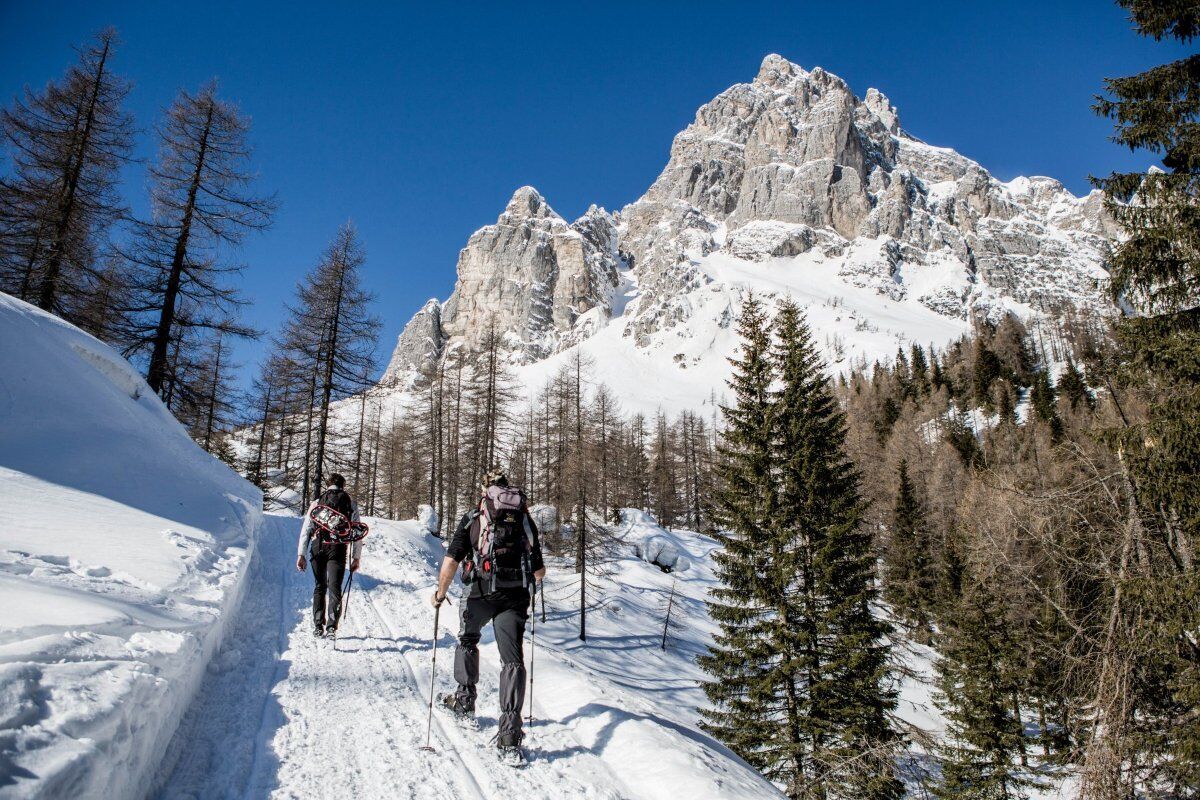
(331,335)
(1072,388)
(1156,271)
(986,370)
(984,739)
(1042,397)
(827,583)
(910,584)
(799,667)
(202,209)
(67,144)
(753,686)
(919,370)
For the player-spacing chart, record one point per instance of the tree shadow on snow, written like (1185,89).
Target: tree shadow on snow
(617,716)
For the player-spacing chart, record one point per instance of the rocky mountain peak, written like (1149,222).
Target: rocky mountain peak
(777,71)
(528,203)
(793,168)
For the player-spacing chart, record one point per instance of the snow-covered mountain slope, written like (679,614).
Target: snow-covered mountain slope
(614,717)
(122,553)
(787,184)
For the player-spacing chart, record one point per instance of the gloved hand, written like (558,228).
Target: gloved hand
(300,563)
(354,565)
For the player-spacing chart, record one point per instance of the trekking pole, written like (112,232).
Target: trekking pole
(437,613)
(533,651)
(349,586)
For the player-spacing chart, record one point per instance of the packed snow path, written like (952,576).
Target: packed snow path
(284,715)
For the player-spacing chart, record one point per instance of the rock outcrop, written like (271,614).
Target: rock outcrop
(420,342)
(530,276)
(794,161)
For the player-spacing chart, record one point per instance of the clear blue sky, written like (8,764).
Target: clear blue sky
(419,121)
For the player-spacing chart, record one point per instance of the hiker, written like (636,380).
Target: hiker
(328,556)
(498,546)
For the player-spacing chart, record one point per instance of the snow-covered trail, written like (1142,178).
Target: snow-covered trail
(283,715)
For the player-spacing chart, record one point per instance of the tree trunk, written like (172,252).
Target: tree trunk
(162,335)
(327,379)
(212,399)
(66,203)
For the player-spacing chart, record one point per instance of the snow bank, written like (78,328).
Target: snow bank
(123,551)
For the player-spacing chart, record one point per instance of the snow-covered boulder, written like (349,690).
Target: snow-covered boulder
(122,556)
(662,552)
(653,544)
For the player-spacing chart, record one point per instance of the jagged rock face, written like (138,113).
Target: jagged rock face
(795,161)
(530,276)
(420,342)
(789,166)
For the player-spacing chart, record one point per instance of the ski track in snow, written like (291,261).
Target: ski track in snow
(282,715)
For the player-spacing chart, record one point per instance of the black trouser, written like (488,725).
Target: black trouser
(507,610)
(328,569)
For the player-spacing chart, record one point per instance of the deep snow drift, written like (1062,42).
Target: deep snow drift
(122,555)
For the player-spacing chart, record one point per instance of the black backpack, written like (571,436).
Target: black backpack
(331,515)
(503,543)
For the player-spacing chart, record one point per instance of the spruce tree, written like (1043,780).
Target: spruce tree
(799,669)
(1072,388)
(755,705)
(910,584)
(1042,398)
(985,370)
(1155,271)
(976,685)
(919,371)
(826,590)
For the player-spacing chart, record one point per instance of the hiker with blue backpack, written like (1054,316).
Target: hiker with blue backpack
(497,547)
(331,534)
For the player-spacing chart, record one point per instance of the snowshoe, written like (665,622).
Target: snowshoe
(463,712)
(512,755)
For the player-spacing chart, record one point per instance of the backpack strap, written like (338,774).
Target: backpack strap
(484,546)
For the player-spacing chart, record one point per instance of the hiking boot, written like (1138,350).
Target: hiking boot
(509,747)
(331,633)
(459,707)
(318,631)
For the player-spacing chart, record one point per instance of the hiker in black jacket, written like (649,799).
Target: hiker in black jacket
(328,557)
(498,546)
